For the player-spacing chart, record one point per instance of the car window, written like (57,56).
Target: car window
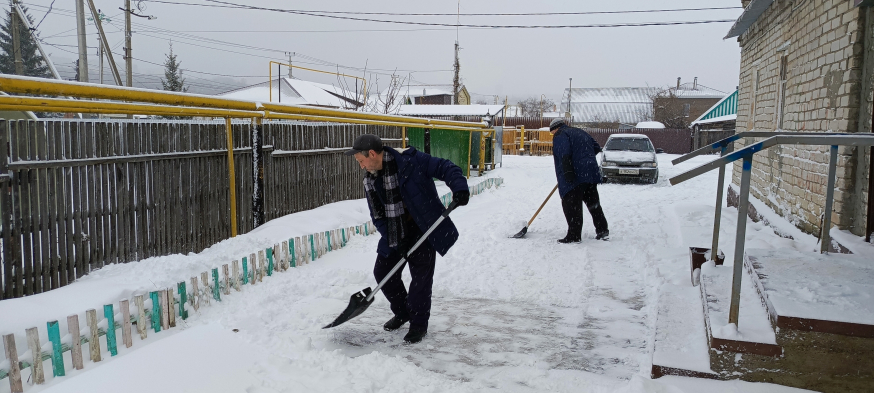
(629,144)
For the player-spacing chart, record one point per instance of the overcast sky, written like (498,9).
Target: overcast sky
(504,62)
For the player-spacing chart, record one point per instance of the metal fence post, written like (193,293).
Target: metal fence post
(257,174)
(717,217)
(427,141)
(742,209)
(825,237)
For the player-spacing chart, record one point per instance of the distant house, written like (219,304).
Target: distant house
(298,92)
(677,106)
(621,105)
(721,116)
(463,96)
(431,96)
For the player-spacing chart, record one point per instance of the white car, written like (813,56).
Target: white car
(630,157)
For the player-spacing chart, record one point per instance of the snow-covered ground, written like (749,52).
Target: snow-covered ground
(509,315)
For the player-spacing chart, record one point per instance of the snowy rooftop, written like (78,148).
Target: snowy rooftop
(692,90)
(450,110)
(295,91)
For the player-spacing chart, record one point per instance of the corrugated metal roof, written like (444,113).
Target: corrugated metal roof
(612,94)
(726,106)
(752,13)
(629,113)
(628,105)
(692,90)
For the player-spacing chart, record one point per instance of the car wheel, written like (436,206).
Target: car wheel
(654,180)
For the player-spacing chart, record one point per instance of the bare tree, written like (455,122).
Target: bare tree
(389,100)
(669,110)
(532,106)
(600,122)
(481,102)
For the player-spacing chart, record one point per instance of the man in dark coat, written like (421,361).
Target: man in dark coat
(403,204)
(578,176)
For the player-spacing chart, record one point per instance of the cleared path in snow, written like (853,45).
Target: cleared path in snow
(518,315)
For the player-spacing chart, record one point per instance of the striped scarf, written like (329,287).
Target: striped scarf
(394,209)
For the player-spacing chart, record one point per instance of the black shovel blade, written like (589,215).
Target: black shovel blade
(358,304)
(521,233)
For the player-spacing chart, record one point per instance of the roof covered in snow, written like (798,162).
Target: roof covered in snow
(298,92)
(649,124)
(623,104)
(450,110)
(697,90)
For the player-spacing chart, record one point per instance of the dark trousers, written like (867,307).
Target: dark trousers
(416,305)
(572,204)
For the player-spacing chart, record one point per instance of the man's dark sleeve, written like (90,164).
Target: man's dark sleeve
(445,170)
(596,146)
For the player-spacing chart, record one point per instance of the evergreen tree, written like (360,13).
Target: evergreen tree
(172,80)
(34,64)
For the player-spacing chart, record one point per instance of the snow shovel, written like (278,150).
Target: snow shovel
(361,300)
(524,230)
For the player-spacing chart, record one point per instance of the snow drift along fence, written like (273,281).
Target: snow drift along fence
(81,194)
(158,310)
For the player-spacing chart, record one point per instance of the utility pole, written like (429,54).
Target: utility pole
(127,44)
(16,44)
(103,42)
(455,79)
(567,114)
(83,47)
(289,65)
(100,56)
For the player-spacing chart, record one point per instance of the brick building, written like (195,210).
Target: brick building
(807,65)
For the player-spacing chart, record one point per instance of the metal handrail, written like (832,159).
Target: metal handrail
(746,154)
(720,144)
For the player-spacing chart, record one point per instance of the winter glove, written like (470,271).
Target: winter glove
(569,177)
(461,197)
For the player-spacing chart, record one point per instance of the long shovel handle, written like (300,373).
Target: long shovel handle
(542,205)
(400,263)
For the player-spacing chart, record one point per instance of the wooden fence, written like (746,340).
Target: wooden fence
(158,310)
(673,141)
(80,194)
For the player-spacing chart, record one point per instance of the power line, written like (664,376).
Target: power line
(249,7)
(182,36)
(232,5)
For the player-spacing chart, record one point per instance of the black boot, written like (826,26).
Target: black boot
(603,236)
(415,334)
(395,323)
(568,239)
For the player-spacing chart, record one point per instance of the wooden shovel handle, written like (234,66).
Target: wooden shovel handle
(542,205)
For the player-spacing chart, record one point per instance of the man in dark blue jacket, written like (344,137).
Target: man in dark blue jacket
(578,176)
(403,204)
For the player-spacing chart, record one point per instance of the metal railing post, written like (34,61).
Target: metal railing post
(825,237)
(717,217)
(742,209)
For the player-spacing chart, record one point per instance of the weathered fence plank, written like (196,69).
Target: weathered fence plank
(76,338)
(14,368)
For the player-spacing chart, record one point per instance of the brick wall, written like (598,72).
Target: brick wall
(823,79)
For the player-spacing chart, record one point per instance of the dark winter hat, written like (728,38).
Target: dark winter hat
(557,123)
(366,142)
